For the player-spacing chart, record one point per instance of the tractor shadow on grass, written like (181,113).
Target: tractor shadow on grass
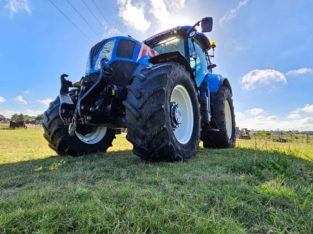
(123,164)
(120,159)
(63,170)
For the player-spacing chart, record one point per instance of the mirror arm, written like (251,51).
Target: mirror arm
(193,27)
(212,55)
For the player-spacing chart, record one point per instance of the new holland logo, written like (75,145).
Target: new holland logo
(146,51)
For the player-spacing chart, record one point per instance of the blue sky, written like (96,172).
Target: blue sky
(264,47)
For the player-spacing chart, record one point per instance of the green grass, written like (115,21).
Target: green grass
(253,189)
(301,150)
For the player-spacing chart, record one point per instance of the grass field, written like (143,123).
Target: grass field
(258,187)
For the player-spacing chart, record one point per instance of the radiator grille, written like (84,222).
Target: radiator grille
(125,49)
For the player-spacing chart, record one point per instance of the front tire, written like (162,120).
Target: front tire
(162,114)
(224,117)
(85,141)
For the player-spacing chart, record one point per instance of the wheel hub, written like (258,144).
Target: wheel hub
(91,135)
(176,114)
(181,114)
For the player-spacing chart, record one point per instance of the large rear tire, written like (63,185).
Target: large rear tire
(86,140)
(162,114)
(224,117)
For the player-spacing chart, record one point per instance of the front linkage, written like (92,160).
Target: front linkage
(90,101)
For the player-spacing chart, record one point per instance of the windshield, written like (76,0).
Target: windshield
(171,44)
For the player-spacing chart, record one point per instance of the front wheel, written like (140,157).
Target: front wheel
(162,114)
(224,117)
(86,140)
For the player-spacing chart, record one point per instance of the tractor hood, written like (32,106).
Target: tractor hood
(117,49)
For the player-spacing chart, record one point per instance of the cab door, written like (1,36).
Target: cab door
(198,60)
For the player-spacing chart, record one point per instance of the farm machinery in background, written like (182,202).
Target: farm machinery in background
(162,90)
(17,124)
(244,134)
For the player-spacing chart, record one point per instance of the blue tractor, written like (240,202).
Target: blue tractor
(162,90)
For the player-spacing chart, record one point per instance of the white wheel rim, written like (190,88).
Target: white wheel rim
(228,119)
(183,131)
(93,137)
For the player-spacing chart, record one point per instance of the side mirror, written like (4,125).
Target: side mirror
(207,24)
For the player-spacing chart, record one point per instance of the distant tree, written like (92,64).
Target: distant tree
(2,117)
(39,117)
(20,117)
(27,118)
(14,117)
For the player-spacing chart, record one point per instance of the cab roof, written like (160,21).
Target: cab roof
(201,38)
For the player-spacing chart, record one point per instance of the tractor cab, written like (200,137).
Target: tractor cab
(192,45)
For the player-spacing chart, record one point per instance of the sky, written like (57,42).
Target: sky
(265,48)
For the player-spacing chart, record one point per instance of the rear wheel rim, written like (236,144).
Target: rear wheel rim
(183,114)
(228,119)
(93,137)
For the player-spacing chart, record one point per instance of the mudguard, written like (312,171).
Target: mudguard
(174,57)
(215,82)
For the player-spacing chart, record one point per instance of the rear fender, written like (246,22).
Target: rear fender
(215,82)
(172,57)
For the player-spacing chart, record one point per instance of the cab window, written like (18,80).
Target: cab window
(171,44)
(198,61)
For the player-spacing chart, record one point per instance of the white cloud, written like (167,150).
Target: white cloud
(45,102)
(299,119)
(300,71)
(307,108)
(271,118)
(32,112)
(8,113)
(303,112)
(110,30)
(307,121)
(21,100)
(133,16)
(2,100)
(262,77)
(16,6)
(273,123)
(166,12)
(232,13)
(294,115)
(176,3)
(299,112)
(239,115)
(159,10)
(255,111)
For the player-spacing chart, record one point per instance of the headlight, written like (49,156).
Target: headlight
(105,52)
